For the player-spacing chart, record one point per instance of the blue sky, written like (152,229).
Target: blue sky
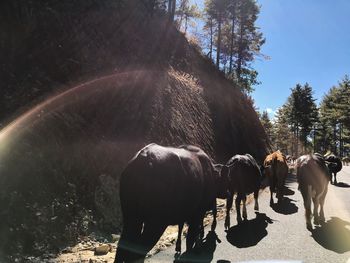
(307,41)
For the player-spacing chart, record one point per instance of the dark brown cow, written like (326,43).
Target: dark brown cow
(335,165)
(276,170)
(313,178)
(244,178)
(164,186)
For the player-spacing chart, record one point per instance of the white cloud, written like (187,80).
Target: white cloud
(271,113)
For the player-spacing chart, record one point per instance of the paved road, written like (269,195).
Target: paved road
(280,233)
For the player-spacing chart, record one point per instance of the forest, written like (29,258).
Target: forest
(302,126)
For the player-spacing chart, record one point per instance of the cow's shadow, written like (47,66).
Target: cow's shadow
(250,232)
(288,191)
(203,252)
(286,206)
(333,235)
(341,184)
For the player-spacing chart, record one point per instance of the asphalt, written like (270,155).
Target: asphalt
(278,234)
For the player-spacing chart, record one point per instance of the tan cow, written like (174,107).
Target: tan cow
(276,170)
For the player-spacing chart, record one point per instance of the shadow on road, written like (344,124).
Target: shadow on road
(201,253)
(341,184)
(285,207)
(288,191)
(249,233)
(333,235)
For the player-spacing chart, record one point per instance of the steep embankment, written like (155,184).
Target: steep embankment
(62,157)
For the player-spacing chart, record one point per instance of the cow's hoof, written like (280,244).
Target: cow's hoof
(316,220)
(227,224)
(322,219)
(309,226)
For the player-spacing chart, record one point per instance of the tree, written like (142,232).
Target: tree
(301,113)
(185,13)
(283,137)
(217,10)
(267,124)
(171,9)
(335,118)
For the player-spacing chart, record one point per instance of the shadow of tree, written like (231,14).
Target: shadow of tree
(249,233)
(343,185)
(285,207)
(201,253)
(333,235)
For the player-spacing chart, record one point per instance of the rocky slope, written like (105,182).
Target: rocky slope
(89,89)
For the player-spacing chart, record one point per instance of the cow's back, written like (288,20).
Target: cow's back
(312,172)
(244,174)
(162,184)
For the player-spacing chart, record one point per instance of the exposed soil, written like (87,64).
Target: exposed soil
(88,90)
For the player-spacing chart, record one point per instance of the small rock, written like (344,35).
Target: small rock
(102,250)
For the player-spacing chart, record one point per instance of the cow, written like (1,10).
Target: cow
(164,186)
(334,164)
(276,170)
(313,178)
(244,178)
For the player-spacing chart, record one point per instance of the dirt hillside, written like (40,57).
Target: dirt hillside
(88,90)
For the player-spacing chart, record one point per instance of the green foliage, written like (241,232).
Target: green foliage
(185,13)
(267,124)
(237,39)
(295,120)
(334,133)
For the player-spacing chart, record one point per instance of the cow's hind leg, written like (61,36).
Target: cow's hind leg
(272,189)
(316,203)
(152,231)
(322,199)
(335,178)
(213,226)
(178,241)
(193,232)
(229,202)
(256,203)
(244,198)
(127,245)
(238,207)
(306,193)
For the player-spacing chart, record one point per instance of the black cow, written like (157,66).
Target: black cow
(164,186)
(313,177)
(334,164)
(244,178)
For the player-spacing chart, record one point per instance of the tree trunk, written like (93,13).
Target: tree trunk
(240,51)
(218,50)
(211,39)
(169,8)
(173,9)
(335,139)
(231,44)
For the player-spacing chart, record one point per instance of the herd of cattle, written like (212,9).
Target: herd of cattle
(164,186)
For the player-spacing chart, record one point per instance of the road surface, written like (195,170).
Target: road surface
(279,233)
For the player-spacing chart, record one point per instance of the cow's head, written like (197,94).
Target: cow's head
(222,176)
